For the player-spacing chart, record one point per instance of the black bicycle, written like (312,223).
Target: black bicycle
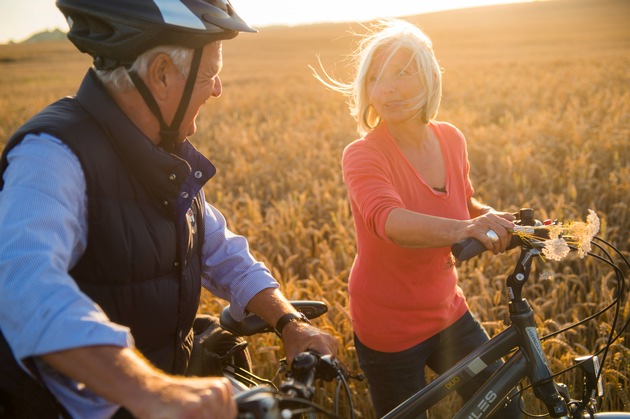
(520,344)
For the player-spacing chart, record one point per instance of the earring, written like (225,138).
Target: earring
(366,117)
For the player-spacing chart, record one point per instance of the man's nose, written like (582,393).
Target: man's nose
(218,88)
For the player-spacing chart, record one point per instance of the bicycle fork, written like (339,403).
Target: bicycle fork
(538,371)
(522,317)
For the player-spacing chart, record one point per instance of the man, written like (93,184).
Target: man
(106,235)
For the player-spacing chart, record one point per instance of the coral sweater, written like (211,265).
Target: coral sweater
(401,296)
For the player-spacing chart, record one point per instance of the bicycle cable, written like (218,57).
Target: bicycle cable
(341,379)
(617,301)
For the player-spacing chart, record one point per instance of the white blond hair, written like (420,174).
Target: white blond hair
(389,36)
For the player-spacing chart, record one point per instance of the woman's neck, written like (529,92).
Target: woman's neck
(409,134)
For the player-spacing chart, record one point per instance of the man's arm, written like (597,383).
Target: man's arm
(43,225)
(124,377)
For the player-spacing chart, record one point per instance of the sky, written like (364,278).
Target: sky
(19,19)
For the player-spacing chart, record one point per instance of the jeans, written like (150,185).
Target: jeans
(396,376)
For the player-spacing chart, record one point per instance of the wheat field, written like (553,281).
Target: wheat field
(540,90)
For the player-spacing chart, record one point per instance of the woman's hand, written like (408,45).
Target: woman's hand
(492,229)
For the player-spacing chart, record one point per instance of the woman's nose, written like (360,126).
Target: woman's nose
(385,85)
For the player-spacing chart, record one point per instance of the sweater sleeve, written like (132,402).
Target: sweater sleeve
(370,187)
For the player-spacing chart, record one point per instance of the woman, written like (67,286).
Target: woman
(411,197)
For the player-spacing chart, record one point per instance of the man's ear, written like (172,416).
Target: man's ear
(160,76)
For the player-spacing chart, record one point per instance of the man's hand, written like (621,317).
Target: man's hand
(124,377)
(179,397)
(299,337)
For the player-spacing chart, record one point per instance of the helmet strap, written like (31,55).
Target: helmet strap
(169,133)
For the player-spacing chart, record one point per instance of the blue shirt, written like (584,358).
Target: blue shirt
(43,231)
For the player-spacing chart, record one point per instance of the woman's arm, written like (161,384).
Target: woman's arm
(411,229)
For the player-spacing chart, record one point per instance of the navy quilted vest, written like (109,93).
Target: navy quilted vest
(145,221)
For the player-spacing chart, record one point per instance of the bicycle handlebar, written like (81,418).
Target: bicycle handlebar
(471,247)
(252,324)
(294,393)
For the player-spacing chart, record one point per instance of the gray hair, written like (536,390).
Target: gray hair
(119,78)
(390,35)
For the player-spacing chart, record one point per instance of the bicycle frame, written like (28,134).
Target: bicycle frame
(528,361)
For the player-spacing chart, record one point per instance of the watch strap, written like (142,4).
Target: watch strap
(287,318)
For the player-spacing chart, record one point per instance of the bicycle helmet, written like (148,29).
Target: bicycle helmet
(116,32)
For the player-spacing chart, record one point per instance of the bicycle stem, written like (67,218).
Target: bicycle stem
(517,279)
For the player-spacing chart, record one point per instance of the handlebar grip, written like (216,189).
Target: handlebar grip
(470,247)
(467,249)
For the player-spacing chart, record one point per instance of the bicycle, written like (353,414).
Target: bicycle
(519,343)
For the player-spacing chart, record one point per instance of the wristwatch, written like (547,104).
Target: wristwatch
(290,317)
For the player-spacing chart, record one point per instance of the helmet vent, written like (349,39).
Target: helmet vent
(175,13)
